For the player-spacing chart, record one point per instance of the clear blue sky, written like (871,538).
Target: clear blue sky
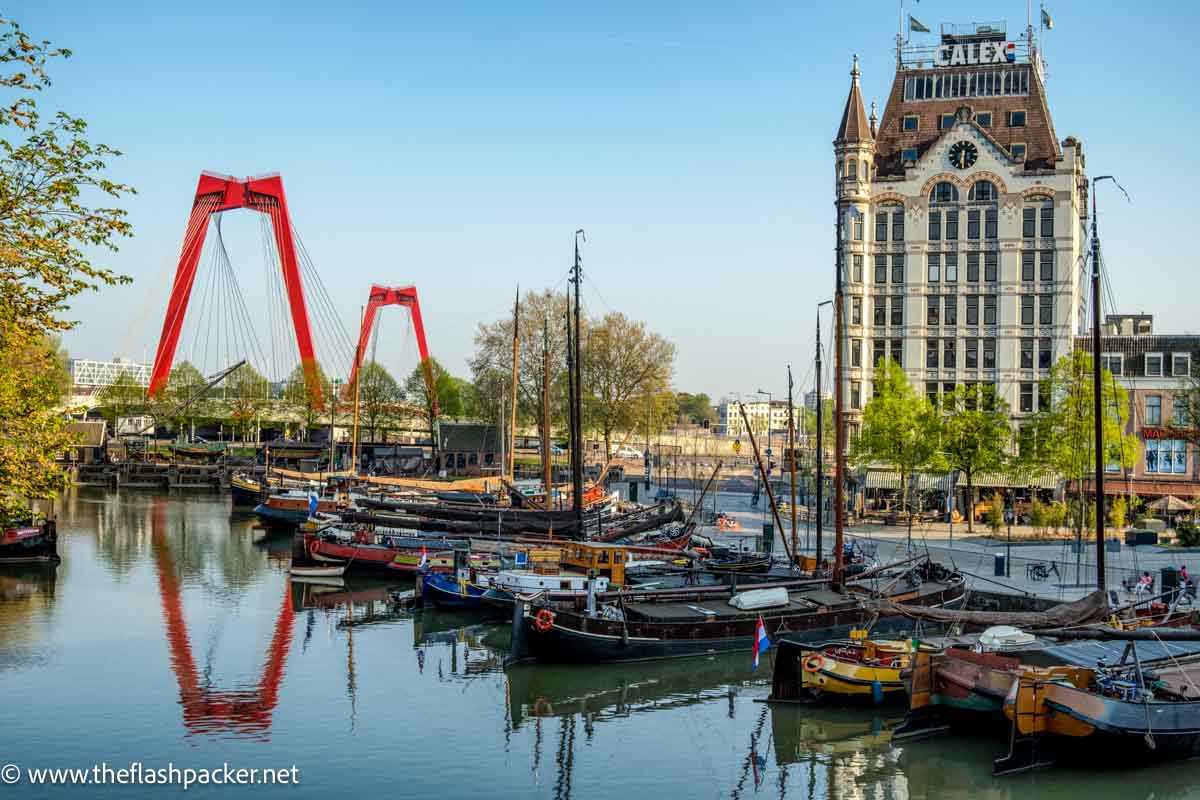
(457,146)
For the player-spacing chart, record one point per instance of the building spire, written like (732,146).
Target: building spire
(854,127)
(874,121)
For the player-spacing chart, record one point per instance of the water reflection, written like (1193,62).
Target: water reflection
(196,609)
(246,709)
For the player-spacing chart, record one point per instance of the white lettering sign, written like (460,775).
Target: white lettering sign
(974,53)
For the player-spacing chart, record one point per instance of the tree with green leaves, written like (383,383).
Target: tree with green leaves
(122,398)
(1061,436)
(975,435)
(543,317)
(247,395)
(53,221)
(900,428)
(695,409)
(171,406)
(622,361)
(446,391)
(305,400)
(379,397)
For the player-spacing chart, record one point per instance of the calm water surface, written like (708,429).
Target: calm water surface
(172,633)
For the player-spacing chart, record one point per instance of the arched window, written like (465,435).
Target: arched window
(983,191)
(944,192)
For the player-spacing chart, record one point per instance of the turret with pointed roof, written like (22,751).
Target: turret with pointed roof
(854,127)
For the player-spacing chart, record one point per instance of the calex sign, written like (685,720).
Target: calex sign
(975,53)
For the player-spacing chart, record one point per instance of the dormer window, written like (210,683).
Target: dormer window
(910,122)
(984,118)
(908,154)
(1181,365)
(1114,363)
(1154,365)
(1018,151)
(1016,119)
(947,121)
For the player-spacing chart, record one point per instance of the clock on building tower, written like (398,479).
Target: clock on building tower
(963,154)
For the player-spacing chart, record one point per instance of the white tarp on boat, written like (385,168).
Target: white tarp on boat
(760,598)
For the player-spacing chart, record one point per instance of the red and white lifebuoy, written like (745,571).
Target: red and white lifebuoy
(544,620)
(813,663)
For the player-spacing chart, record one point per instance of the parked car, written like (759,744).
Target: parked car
(627,452)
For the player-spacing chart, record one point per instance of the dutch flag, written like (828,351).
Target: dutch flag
(761,643)
(424,558)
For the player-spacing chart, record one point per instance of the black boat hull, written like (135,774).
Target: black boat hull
(605,641)
(40,548)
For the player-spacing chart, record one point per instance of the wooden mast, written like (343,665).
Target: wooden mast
(792,459)
(547,440)
(512,420)
(357,381)
(839,417)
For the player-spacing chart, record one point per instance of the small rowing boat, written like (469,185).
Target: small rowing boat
(318,571)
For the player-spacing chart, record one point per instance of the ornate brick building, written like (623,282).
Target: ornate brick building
(963,220)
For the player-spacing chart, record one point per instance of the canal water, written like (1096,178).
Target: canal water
(172,635)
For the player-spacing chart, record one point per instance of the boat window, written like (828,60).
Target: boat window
(616,558)
(564,584)
(603,556)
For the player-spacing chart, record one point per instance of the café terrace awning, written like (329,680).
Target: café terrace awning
(940,482)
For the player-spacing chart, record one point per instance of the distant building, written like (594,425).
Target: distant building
(468,449)
(762,415)
(1158,373)
(810,399)
(89,376)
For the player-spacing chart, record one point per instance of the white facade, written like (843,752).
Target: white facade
(86,373)
(965,275)
(760,413)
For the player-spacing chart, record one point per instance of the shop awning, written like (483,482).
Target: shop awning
(885,479)
(1016,480)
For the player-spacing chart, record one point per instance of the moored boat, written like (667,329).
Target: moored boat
(322,571)
(642,625)
(291,507)
(245,490)
(30,543)
(858,669)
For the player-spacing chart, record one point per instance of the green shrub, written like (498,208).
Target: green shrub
(1038,515)
(995,513)
(1187,535)
(1117,513)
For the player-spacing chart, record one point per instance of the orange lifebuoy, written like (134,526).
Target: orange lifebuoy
(544,620)
(813,663)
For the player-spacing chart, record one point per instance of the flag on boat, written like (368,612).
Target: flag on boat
(424,558)
(1047,21)
(312,504)
(761,643)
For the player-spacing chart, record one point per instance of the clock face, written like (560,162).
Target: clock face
(963,154)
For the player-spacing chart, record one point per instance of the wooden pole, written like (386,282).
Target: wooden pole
(547,440)
(512,422)
(766,483)
(792,459)
(357,381)
(839,417)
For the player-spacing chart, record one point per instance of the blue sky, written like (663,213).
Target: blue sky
(457,146)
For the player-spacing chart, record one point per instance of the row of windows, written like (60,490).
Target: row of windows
(1045,309)
(1181,364)
(1152,410)
(1030,216)
(990,228)
(973,349)
(943,267)
(1166,455)
(981,83)
(1043,260)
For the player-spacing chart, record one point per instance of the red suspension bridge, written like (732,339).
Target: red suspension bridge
(223,327)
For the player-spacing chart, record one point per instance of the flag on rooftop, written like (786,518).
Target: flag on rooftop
(915,24)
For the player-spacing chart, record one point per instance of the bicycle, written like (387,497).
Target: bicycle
(1041,571)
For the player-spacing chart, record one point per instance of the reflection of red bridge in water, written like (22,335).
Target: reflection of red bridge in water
(206,708)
